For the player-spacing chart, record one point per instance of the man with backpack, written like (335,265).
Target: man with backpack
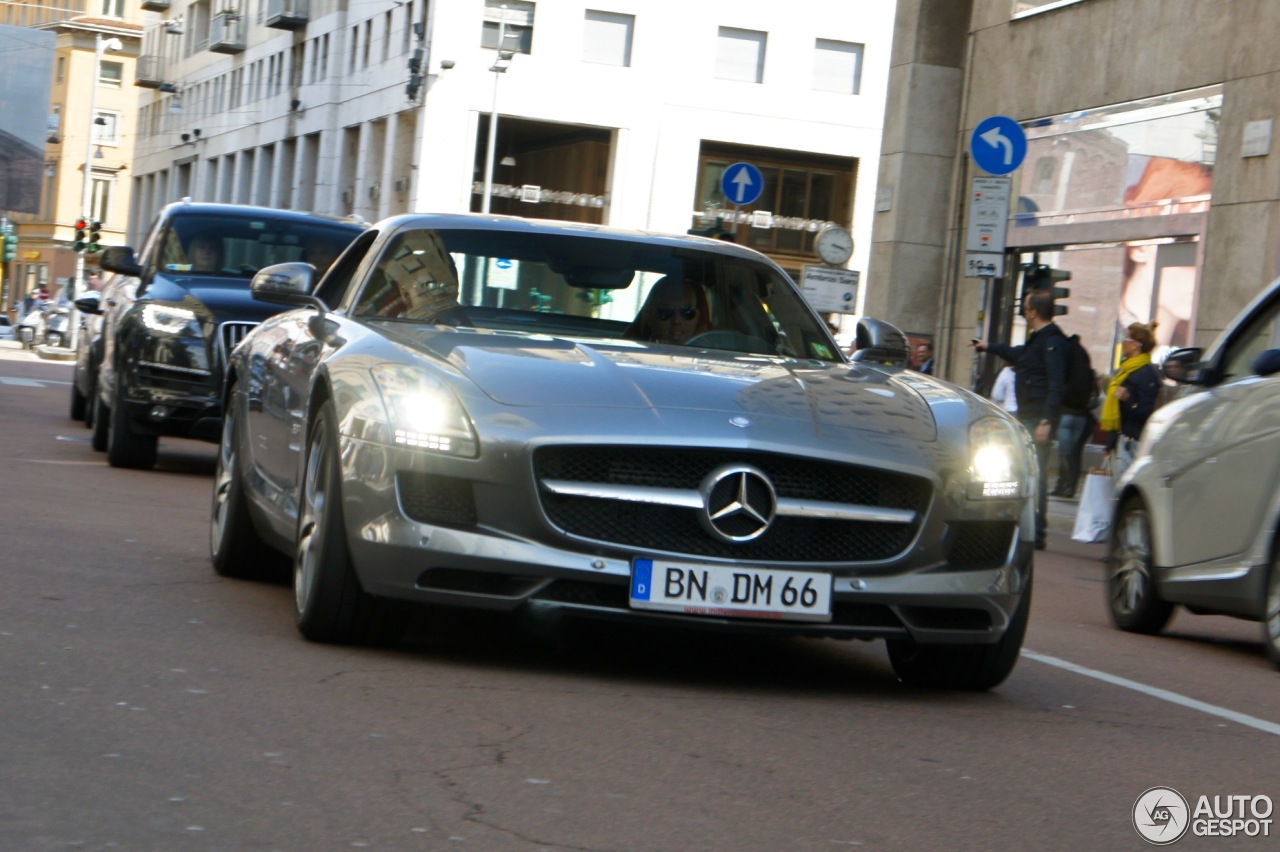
(1076,421)
(1040,382)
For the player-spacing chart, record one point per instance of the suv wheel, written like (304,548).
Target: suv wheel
(1132,595)
(1271,616)
(126,448)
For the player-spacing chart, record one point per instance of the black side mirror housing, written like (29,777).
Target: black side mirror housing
(120,259)
(89,303)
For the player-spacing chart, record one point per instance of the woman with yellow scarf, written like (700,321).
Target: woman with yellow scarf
(1131,395)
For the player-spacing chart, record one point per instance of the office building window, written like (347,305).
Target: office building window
(110,74)
(740,55)
(837,67)
(606,38)
(518,21)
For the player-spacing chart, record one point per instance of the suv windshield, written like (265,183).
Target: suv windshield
(238,246)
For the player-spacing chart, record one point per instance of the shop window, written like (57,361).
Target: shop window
(800,192)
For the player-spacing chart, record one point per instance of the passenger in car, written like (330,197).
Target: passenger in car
(674,311)
(205,253)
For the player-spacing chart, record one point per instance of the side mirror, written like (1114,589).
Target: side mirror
(90,303)
(120,259)
(881,342)
(286,284)
(1184,367)
(1268,363)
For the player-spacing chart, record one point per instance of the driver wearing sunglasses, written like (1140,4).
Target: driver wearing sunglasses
(674,312)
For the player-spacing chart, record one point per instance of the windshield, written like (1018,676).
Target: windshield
(592,286)
(238,246)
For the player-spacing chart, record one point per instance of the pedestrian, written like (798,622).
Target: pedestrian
(922,357)
(1040,380)
(1132,395)
(1002,393)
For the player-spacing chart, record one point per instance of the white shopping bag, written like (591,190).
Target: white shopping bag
(1093,518)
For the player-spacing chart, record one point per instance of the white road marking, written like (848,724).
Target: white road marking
(1156,692)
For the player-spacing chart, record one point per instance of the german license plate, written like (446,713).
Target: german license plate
(726,590)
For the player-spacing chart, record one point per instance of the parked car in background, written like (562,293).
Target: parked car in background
(89,343)
(6,328)
(1197,522)
(177,307)
(499,413)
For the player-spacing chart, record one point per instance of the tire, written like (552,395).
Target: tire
(101,418)
(1133,597)
(126,448)
(53,339)
(329,603)
(235,548)
(963,667)
(1271,615)
(79,405)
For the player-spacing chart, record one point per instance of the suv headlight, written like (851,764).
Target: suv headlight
(997,460)
(169,319)
(423,412)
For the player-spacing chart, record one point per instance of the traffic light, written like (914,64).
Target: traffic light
(717,231)
(1038,275)
(95,234)
(10,246)
(82,234)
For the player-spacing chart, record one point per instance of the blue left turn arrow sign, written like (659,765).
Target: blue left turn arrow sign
(998,145)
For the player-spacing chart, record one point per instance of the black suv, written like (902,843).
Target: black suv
(173,313)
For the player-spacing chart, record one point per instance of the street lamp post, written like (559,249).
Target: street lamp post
(100,46)
(498,68)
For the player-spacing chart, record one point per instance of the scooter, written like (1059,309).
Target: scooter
(57,326)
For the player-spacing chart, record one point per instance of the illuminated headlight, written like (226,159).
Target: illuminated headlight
(167,319)
(996,460)
(423,412)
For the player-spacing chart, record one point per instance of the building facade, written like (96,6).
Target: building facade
(618,112)
(1148,173)
(91,125)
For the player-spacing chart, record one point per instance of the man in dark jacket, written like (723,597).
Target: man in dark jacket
(1040,379)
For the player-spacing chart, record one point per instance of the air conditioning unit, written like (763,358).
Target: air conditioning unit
(375,191)
(349,197)
(402,185)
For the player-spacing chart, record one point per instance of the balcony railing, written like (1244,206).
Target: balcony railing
(149,72)
(288,14)
(155,5)
(226,33)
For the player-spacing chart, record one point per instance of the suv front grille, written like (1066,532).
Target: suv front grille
(677,529)
(229,335)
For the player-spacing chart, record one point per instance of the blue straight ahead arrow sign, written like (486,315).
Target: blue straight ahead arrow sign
(999,145)
(742,183)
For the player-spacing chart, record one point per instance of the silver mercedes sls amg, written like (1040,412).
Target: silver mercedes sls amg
(509,414)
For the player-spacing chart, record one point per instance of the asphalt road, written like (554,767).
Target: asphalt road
(146,703)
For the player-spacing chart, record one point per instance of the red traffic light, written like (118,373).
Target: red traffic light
(82,224)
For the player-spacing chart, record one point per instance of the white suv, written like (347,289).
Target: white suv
(1198,512)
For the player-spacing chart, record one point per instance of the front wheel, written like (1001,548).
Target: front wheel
(79,404)
(126,448)
(963,667)
(1132,596)
(101,418)
(1271,617)
(330,604)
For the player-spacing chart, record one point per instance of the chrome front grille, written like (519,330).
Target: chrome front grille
(229,335)
(675,526)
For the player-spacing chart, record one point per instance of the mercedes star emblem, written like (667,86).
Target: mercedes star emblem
(739,503)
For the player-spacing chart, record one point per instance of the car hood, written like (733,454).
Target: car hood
(519,370)
(224,298)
